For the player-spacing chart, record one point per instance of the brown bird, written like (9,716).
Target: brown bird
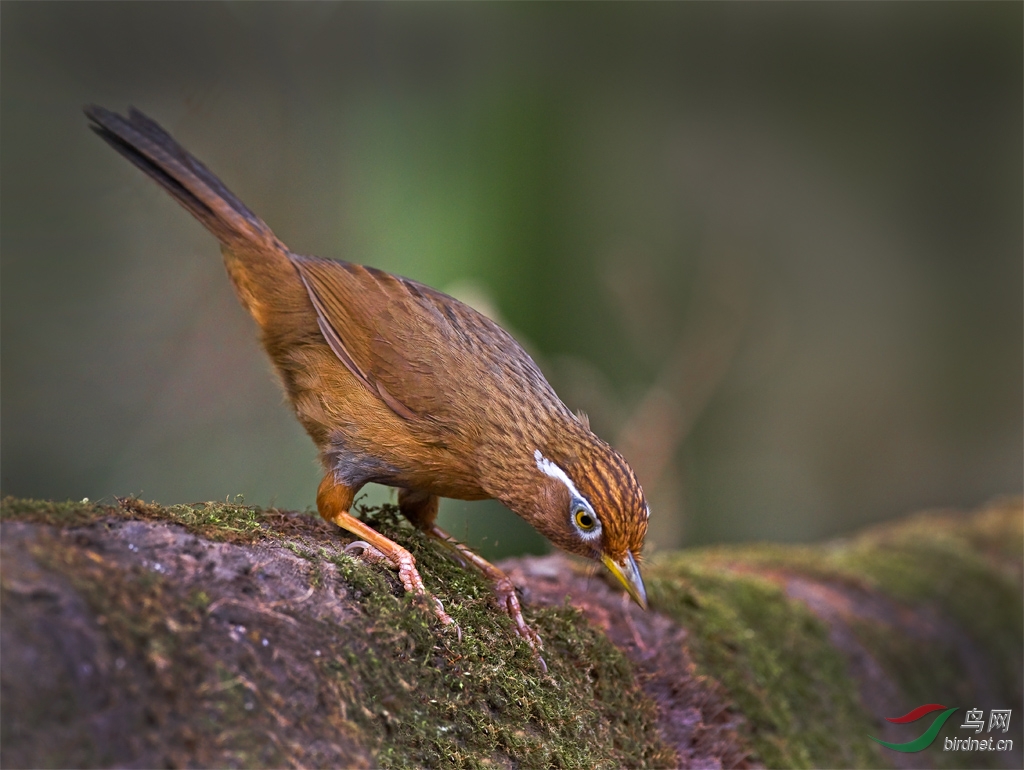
(402,385)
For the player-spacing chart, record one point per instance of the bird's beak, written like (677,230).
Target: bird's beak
(629,575)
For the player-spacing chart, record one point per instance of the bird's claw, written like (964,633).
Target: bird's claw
(407,573)
(509,601)
(443,616)
(446,618)
(360,549)
(413,584)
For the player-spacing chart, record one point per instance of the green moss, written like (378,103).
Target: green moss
(392,679)
(772,656)
(427,698)
(199,599)
(965,570)
(67,514)
(223,522)
(935,561)
(966,566)
(415,694)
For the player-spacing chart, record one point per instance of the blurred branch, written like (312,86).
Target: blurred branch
(693,371)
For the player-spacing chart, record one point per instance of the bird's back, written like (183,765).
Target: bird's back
(393,377)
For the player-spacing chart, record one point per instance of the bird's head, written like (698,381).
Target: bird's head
(590,503)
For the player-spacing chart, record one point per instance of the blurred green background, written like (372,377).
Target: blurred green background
(774,250)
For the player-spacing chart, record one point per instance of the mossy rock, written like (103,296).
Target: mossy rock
(819,645)
(225,635)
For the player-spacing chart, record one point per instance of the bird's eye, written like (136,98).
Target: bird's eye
(584,519)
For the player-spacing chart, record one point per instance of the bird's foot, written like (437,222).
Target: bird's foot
(407,573)
(509,602)
(504,589)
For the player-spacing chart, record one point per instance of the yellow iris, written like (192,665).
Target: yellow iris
(584,519)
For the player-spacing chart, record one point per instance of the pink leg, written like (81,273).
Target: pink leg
(421,509)
(333,500)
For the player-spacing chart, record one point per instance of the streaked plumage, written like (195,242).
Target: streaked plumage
(400,384)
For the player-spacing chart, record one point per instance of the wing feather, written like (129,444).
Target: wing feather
(391,334)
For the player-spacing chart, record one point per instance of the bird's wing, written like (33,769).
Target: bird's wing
(419,350)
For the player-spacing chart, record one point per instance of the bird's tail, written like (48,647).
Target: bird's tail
(259,264)
(142,141)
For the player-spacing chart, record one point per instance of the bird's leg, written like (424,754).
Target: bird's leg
(333,501)
(421,509)
(502,584)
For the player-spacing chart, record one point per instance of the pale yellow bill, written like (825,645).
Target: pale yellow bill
(629,575)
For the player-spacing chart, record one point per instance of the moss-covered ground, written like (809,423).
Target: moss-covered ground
(221,522)
(484,698)
(935,601)
(774,659)
(967,567)
(943,618)
(391,680)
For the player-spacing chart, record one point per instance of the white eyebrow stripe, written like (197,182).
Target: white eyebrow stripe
(545,466)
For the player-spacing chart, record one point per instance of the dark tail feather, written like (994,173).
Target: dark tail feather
(143,142)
